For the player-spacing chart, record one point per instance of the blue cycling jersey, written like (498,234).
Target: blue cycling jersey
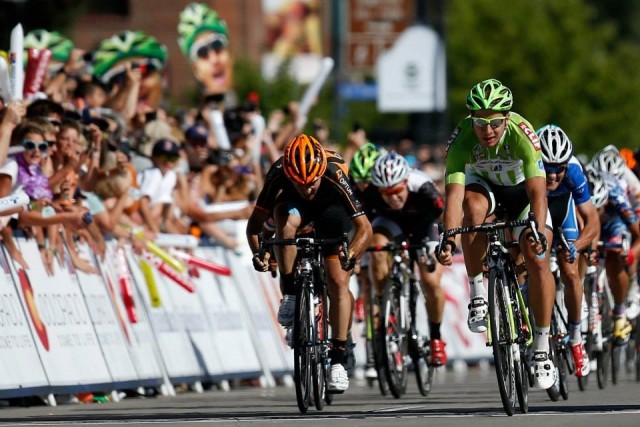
(574,182)
(618,205)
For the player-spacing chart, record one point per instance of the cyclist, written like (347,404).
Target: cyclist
(309,185)
(493,157)
(406,207)
(610,160)
(360,173)
(619,222)
(568,192)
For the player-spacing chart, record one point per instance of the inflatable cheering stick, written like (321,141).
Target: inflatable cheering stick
(125,287)
(194,261)
(170,273)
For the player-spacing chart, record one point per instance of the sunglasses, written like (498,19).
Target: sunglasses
(392,190)
(119,77)
(481,122)
(31,145)
(54,122)
(201,50)
(557,169)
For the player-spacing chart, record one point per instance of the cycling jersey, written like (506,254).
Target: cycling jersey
(366,197)
(514,159)
(424,203)
(334,188)
(574,182)
(631,185)
(618,206)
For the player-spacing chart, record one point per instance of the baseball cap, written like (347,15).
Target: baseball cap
(165,147)
(197,133)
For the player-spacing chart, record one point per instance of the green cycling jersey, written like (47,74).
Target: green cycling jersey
(514,159)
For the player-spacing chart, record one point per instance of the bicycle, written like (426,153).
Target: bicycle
(559,349)
(510,329)
(398,336)
(310,339)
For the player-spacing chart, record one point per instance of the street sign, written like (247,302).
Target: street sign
(373,27)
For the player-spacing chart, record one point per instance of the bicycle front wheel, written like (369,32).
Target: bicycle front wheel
(500,329)
(394,339)
(320,351)
(302,338)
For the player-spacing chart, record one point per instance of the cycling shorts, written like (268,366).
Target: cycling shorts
(563,215)
(614,230)
(513,199)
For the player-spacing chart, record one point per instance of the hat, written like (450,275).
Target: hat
(165,147)
(197,132)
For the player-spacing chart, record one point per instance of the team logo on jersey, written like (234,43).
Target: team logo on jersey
(453,137)
(479,152)
(540,165)
(505,154)
(530,134)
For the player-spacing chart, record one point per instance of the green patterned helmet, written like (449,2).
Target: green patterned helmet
(490,95)
(196,18)
(363,161)
(125,45)
(59,45)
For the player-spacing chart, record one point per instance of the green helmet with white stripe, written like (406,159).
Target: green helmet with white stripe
(59,45)
(194,19)
(490,94)
(126,45)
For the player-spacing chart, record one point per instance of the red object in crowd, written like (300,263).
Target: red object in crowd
(359,310)
(126,290)
(163,268)
(194,261)
(38,60)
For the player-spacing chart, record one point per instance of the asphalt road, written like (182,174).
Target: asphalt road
(457,398)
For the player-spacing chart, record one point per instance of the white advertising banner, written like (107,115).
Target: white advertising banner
(109,329)
(177,351)
(223,304)
(270,341)
(20,365)
(65,337)
(138,336)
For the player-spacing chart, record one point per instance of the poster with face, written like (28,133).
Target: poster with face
(204,40)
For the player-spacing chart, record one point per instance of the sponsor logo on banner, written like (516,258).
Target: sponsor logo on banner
(32,309)
(530,134)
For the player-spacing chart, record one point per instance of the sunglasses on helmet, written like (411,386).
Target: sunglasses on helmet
(216,43)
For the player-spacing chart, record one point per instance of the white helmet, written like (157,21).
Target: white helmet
(609,160)
(556,145)
(389,170)
(599,187)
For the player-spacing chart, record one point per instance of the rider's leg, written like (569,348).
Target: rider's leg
(288,219)
(379,264)
(572,298)
(618,279)
(435,298)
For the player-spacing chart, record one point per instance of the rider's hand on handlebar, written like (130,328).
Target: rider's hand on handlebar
(259,264)
(445,253)
(347,260)
(568,255)
(539,247)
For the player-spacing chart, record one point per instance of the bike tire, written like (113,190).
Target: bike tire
(321,352)
(554,391)
(602,371)
(302,336)
(423,369)
(394,348)
(377,343)
(616,361)
(500,341)
(522,382)
(563,372)
(583,382)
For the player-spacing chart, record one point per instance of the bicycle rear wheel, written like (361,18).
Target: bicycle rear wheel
(419,346)
(394,339)
(302,338)
(373,333)
(500,330)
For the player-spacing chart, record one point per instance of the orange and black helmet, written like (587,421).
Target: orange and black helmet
(304,159)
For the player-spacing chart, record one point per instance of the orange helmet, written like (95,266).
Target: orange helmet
(304,159)
(628,157)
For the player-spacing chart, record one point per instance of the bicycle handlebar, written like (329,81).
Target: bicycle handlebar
(563,241)
(304,242)
(427,246)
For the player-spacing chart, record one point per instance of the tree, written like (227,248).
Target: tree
(562,66)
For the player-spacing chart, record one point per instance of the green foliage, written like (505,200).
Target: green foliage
(563,66)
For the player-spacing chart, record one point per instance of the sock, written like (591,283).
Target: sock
(287,284)
(541,339)
(336,354)
(575,333)
(477,286)
(434,330)
(619,309)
